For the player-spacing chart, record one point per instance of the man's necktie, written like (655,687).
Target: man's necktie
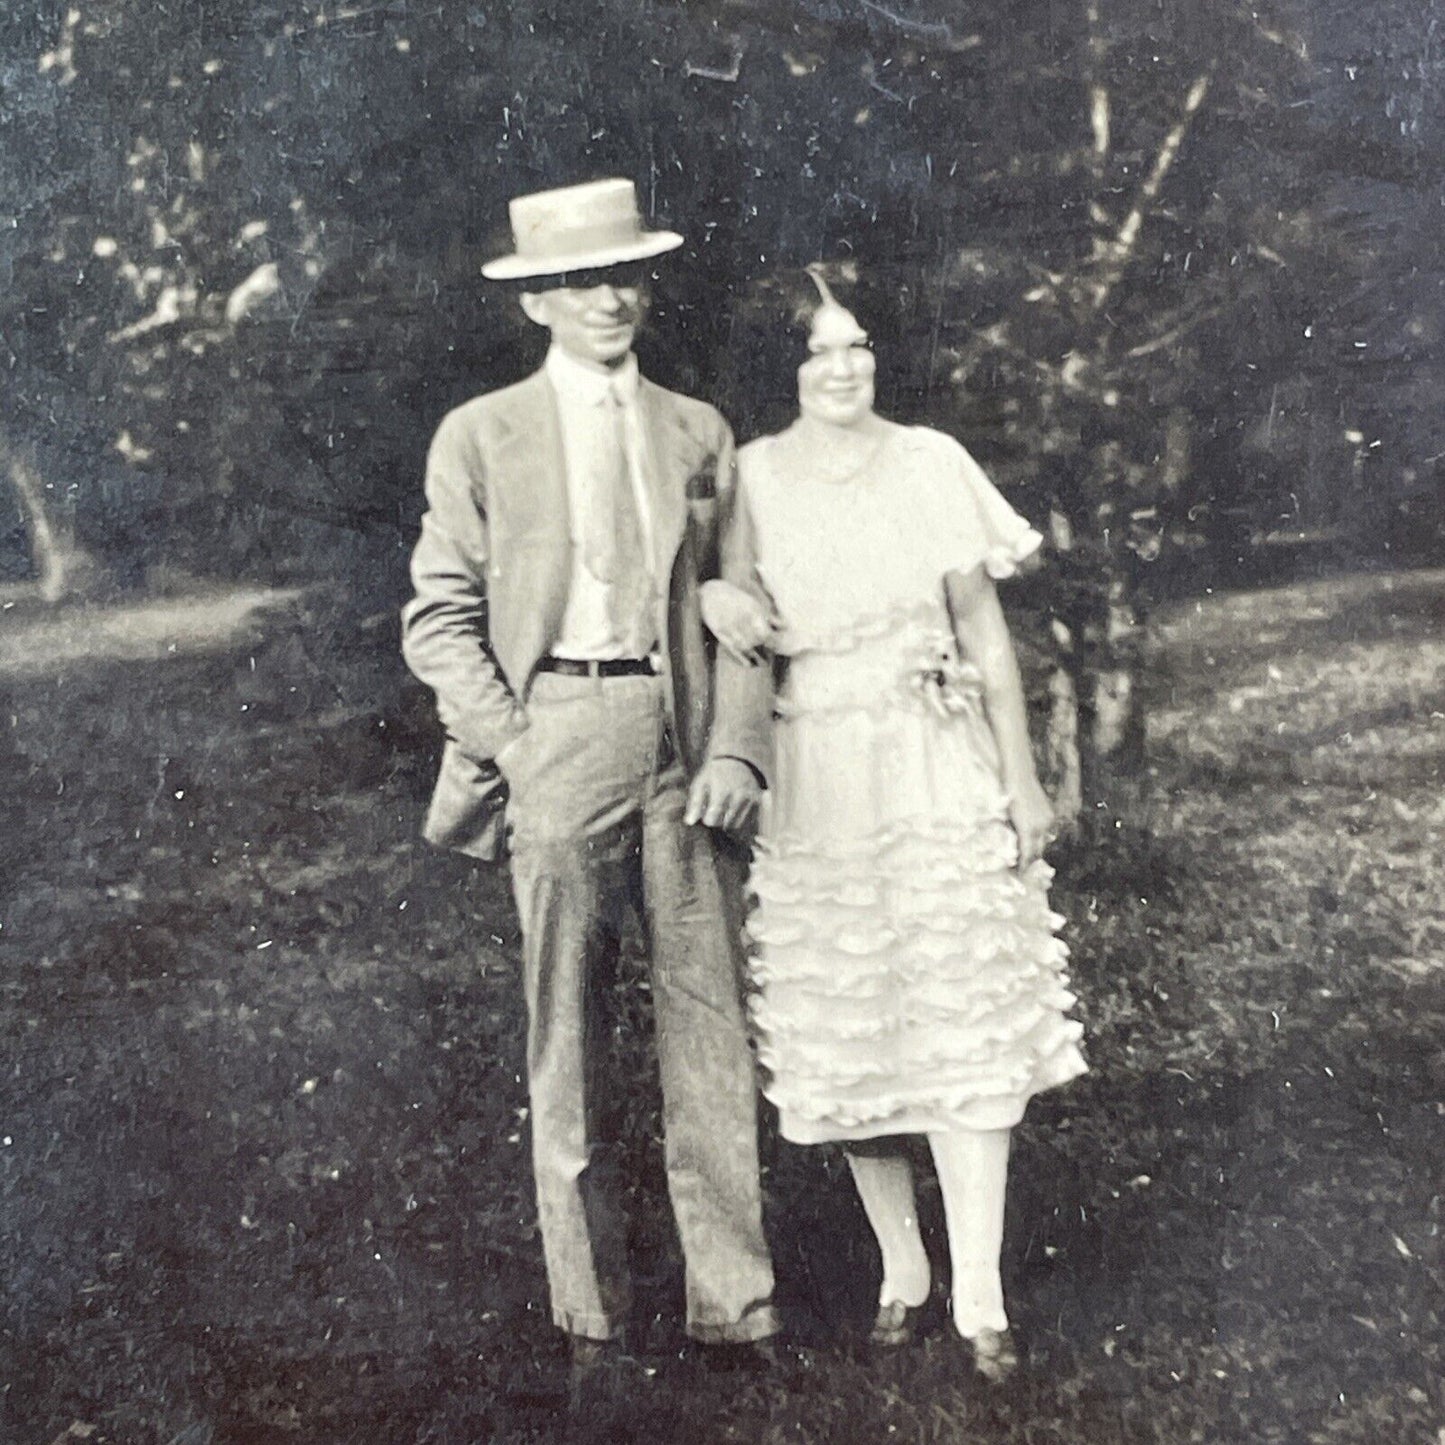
(614,550)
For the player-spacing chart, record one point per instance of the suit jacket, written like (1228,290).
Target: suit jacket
(490,573)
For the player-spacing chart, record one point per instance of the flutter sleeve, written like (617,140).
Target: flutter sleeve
(979,525)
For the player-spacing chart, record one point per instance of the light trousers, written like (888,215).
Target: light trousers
(595,813)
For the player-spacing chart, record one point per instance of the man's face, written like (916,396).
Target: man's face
(596,321)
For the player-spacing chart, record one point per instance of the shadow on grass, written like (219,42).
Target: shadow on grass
(1149,1303)
(1215,643)
(266,1174)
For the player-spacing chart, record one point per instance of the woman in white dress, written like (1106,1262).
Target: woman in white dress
(907,978)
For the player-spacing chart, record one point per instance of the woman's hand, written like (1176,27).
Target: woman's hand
(1032,815)
(737,619)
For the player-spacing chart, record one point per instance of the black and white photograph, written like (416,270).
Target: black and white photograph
(722,721)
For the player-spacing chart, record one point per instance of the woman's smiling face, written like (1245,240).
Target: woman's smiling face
(835,383)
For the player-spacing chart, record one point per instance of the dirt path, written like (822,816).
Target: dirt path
(37,643)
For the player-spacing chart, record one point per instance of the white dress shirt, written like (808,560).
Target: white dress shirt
(585,407)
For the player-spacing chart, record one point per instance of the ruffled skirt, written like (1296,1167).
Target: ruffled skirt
(906,976)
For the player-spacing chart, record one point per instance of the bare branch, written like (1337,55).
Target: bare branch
(929,30)
(1099,120)
(1070,376)
(714,72)
(1287,39)
(1158,343)
(1121,248)
(1099,102)
(58,560)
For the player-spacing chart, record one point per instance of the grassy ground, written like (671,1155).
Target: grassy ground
(263,1166)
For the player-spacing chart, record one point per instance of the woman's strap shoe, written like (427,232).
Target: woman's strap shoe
(896,1325)
(995,1356)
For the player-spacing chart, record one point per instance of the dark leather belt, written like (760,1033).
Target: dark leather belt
(608,667)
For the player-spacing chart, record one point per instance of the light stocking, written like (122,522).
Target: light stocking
(972,1169)
(885,1185)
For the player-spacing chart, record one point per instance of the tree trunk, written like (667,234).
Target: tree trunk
(1063,762)
(1117,741)
(61,566)
(1062,749)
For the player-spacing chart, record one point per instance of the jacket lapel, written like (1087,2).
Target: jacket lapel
(533,470)
(668,466)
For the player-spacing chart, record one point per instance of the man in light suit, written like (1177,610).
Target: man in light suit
(571,520)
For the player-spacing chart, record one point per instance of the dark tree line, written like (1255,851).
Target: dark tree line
(1169,266)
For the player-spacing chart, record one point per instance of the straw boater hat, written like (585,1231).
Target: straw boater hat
(577,228)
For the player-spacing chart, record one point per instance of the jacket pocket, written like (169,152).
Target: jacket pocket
(702,485)
(466,805)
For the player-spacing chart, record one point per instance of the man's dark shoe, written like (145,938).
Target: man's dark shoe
(595,1372)
(771,1357)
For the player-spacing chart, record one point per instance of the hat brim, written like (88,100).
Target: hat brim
(521,268)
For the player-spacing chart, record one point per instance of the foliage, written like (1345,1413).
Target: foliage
(245,256)
(242,274)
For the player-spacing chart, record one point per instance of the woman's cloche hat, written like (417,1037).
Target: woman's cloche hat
(577,228)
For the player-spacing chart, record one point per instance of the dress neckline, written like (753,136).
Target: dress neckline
(865,469)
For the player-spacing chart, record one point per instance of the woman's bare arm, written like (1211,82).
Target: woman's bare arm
(983,639)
